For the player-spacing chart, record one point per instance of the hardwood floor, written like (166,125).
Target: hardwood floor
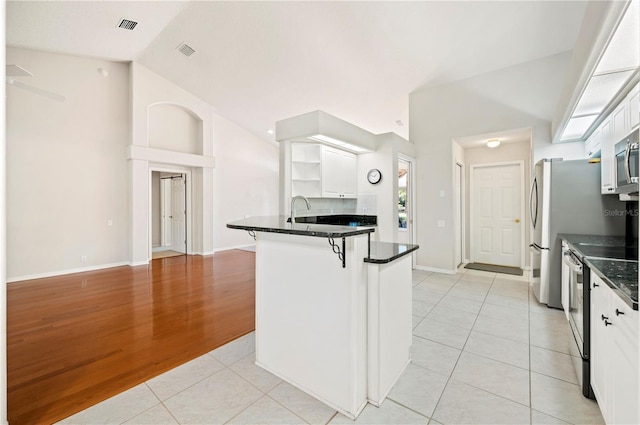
(75,340)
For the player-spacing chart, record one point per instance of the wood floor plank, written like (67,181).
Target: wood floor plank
(76,340)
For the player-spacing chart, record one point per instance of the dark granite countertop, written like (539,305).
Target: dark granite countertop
(279,224)
(339,219)
(620,275)
(386,252)
(612,260)
(594,246)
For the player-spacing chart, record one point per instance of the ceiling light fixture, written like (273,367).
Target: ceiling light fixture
(493,143)
(336,142)
(270,131)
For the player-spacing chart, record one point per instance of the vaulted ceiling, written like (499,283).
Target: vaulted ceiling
(259,62)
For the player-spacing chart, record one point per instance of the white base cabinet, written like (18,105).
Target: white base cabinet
(614,355)
(341,334)
(389,326)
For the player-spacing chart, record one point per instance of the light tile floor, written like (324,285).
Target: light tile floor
(484,352)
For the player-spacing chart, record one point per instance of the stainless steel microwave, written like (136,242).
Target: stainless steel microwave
(626,164)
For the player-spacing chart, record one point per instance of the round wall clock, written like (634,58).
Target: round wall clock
(374,176)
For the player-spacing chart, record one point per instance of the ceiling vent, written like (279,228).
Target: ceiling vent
(186,50)
(127,24)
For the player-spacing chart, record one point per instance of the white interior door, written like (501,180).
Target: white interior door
(178,222)
(496,212)
(165,212)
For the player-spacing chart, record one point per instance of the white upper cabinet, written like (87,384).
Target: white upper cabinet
(339,170)
(607,157)
(620,121)
(318,171)
(614,128)
(633,100)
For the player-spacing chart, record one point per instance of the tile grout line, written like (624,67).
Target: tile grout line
(456,363)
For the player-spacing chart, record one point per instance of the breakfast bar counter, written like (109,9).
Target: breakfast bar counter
(331,319)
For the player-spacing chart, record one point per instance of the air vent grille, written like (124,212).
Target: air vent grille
(127,24)
(186,50)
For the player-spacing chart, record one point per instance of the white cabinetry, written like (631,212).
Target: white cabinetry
(607,156)
(633,100)
(592,144)
(618,124)
(614,355)
(306,170)
(338,173)
(319,171)
(620,121)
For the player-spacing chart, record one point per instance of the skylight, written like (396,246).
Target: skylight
(616,66)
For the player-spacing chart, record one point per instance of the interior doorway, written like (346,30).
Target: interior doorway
(497,231)
(168,214)
(406,196)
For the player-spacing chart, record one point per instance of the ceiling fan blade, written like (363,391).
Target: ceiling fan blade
(36,90)
(17,71)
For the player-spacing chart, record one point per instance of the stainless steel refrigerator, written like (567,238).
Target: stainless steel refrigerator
(565,198)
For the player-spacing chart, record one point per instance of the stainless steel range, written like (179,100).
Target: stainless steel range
(576,294)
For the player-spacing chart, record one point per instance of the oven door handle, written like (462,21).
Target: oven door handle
(568,259)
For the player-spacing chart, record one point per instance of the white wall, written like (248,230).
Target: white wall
(155,208)
(175,129)
(245,181)
(522,96)
(574,150)
(3,251)
(385,193)
(503,153)
(66,173)
(148,91)
(74,165)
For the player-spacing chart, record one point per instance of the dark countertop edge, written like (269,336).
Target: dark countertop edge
(319,234)
(575,239)
(571,239)
(633,304)
(393,257)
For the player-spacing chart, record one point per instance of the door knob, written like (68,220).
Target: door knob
(517,220)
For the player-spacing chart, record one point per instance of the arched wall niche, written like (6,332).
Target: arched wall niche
(174,127)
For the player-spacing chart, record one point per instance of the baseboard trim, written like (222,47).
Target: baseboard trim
(70,271)
(230,248)
(436,269)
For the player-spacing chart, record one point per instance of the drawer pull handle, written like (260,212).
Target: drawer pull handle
(618,312)
(603,317)
(607,323)
(595,285)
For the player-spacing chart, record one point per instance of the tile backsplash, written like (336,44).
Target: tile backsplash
(363,205)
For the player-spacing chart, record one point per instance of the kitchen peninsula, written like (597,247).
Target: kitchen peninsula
(333,309)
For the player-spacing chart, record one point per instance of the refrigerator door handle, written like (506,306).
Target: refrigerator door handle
(627,156)
(534,191)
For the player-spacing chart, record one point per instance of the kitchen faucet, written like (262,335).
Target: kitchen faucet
(293,200)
